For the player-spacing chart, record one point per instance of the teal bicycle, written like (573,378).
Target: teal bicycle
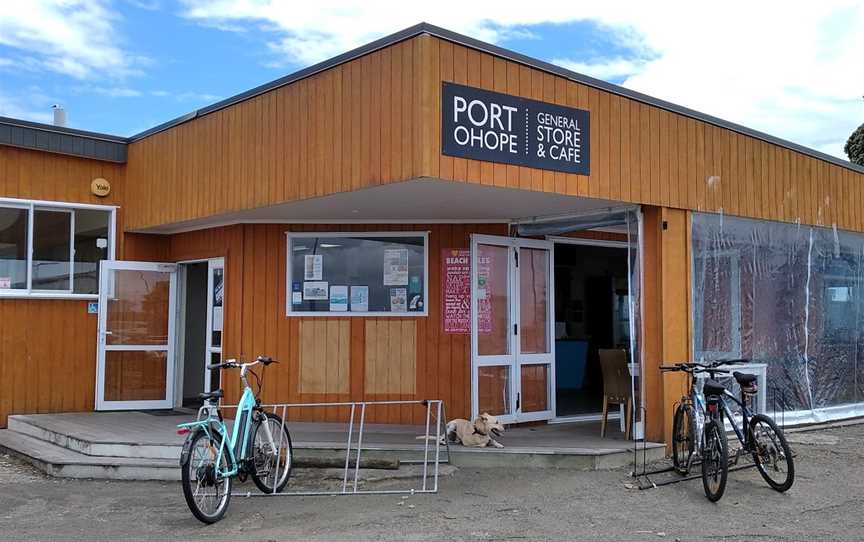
(258,446)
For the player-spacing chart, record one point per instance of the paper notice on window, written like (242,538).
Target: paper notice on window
(5,282)
(217,318)
(398,300)
(296,293)
(338,298)
(315,291)
(359,299)
(313,268)
(396,267)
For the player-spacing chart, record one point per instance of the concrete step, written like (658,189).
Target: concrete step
(58,461)
(59,432)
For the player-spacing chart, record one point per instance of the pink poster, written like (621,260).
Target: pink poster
(484,297)
(456,290)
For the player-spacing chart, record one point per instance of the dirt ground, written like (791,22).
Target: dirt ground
(473,504)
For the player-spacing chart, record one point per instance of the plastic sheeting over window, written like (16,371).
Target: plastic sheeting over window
(789,296)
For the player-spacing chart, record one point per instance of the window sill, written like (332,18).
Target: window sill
(12,294)
(344,314)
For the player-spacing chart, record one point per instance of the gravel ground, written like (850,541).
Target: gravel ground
(474,504)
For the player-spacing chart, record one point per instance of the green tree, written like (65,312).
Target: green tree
(855,146)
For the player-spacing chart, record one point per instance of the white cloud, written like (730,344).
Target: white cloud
(613,68)
(73,37)
(32,108)
(791,69)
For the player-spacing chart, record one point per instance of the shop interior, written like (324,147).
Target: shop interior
(591,314)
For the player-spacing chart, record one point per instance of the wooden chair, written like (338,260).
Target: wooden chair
(617,389)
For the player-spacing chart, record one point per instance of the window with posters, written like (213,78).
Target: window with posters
(357,273)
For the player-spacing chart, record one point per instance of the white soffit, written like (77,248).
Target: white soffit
(415,201)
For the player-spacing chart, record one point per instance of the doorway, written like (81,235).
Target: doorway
(591,313)
(199,341)
(511,328)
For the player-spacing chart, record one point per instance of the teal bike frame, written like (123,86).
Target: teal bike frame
(237,445)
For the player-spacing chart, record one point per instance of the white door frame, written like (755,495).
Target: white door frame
(212,265)
(515,359)
(209,349)
(106,289)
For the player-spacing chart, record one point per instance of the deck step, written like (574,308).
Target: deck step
(58,461)
(134,445)
(61,432)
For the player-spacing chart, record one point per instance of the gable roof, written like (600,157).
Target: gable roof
(460,39)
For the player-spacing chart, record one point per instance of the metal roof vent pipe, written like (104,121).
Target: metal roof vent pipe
(59,115)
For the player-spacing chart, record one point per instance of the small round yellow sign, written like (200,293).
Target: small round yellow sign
(100,187)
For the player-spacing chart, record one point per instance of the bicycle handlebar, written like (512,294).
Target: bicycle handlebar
(232,363)
(696,367)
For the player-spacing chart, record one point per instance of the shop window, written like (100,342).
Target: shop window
(52,249)
(14,225)
(352,273)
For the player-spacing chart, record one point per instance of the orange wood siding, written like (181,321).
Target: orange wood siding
(349,127)
(377,119)
(642,154)
(47,356)
(256,323)
(48,347)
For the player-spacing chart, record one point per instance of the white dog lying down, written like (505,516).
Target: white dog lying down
(477,433)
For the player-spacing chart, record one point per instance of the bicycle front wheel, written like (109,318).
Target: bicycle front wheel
(683,438)
(207,493)
(272,461)
(715,460)
(771,453)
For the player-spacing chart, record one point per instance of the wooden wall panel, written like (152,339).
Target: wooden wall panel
(255,320)
(643,154)
(346,128)
(47,356)
(324,356)
(391,357)
(376,120)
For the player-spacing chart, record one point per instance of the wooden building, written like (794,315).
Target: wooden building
(361,220)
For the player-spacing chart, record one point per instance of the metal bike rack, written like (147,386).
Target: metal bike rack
(435,413)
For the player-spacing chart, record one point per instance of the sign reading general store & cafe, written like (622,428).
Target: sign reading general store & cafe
(495,127)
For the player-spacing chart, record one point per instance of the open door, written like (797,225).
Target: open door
(511,328)
(135,358)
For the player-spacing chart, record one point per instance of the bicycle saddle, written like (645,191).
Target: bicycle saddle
(744,379)
(212,395)
(712,387)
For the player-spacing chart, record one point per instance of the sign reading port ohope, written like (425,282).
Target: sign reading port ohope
(496,127)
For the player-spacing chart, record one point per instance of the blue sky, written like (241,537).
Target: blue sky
(122,66)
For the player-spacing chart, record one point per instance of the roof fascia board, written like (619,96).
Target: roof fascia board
(62,130)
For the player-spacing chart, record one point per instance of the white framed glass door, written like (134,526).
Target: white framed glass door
(135,354)
(511,328)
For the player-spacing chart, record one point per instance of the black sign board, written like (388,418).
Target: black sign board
(496,127)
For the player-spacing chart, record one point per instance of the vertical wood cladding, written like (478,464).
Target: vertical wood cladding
(643,154)
(353,126)
(47,356)
(377,119)
(48,347)
(255,323)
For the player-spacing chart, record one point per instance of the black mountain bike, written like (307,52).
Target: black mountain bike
(758,434)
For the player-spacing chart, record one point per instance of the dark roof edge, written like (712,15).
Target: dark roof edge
(9,121)
(449,35)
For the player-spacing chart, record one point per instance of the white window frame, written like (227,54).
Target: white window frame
(289,309)
(42,205)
